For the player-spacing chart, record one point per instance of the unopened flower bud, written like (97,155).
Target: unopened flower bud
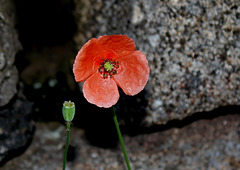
(68,111)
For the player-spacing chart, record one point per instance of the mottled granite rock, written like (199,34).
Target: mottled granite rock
(204,144)
(16,127)
(193,50)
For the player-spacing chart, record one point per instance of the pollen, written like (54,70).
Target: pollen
(108,67)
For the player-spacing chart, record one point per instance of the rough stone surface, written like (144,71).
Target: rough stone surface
(9,46)
(16,127)
(192,46)
(204,144)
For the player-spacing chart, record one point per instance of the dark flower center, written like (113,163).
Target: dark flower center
(108,67)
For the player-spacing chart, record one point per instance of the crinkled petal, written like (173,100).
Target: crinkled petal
(101,92)
(120,44)
(87,60)
(133,73)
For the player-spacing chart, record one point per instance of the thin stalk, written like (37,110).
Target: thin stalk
(121,139)
(66,147)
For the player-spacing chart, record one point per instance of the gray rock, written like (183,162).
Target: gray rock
(9,46)
(204,144)
(16,127)
(192,48)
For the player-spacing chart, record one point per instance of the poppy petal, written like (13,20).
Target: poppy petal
(120,44)
(101,92)
(86,62)
(133,73)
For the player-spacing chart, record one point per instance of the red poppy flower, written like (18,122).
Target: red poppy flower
(106,63)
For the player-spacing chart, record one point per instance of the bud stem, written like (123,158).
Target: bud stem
(67,144)
(120,138)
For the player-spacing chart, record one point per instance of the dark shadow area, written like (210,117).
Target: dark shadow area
(46,30)
(71,153)
(44,22)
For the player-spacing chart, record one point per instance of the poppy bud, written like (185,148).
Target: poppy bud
(68,111)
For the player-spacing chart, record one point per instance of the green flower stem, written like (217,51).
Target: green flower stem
(120,138)
(66,147)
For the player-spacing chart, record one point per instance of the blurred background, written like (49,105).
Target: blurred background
(187,117)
